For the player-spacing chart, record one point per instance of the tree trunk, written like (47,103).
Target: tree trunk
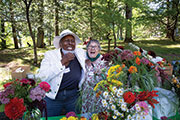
(40,34)
(56,18)
(3,43)
(114,35)
(176,4)
(109,42)
(168,32)
(91,16)
(13,25)
(128,37)
(121,32)
(30,29)
(40,38)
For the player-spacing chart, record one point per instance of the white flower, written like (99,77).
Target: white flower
(104,103)
(129,117)
(114,89)
(144,117)
(138,117)
(138,109)
(122,115)
(111,100)
(113,107)
(120,91)
(105,94)
(123,107)
(114,117)
(117,112)
(121,100)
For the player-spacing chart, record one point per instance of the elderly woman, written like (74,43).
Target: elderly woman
(64,69)
(94,65)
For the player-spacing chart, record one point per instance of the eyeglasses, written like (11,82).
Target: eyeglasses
(93,47)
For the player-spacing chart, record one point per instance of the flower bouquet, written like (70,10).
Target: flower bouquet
(23,98)
(138,70)
(124,103)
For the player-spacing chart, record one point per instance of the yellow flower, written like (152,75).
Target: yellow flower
(64,118)
(117,82)
(95,117)
(178,86)
(72,118)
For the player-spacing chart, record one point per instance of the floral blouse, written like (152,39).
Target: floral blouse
(91,103)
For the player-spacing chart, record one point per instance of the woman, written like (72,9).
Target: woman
(63,68)
(94,65)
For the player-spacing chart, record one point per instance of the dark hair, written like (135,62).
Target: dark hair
(93,40)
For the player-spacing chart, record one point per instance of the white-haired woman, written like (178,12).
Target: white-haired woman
(94,65)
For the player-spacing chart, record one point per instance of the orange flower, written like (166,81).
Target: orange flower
(123,65)
(137,53)
(138,62)
(151,64)
(132,69)
(97,94)
(83,118)
(118,70)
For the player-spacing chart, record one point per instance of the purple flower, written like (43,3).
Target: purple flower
(4,95)
(144,61)
(126,55)
(71,114)
(37,94)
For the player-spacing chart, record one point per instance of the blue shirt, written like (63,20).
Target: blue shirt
(71,79)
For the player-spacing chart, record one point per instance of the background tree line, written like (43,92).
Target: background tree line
(109,20)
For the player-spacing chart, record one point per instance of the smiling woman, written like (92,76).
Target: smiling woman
(94,65)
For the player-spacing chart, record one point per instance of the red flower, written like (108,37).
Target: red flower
(146,95)
(25,81)
(15,108)
(45,86)
(121,47)
(129,97)
(7,84)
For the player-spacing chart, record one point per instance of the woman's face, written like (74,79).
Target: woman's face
(93,49)
(68,43)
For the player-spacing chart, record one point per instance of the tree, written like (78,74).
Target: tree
(27,5)
(40,34)
(128,37)
(56,17)
(3,35)
(13,24)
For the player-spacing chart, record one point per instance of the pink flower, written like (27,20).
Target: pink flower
(45,86)
(25,81)
(143,105)
(69,114)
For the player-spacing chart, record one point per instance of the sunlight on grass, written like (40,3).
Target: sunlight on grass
(172,46)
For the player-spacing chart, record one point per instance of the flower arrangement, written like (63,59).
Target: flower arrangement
(124,103)
(21,98)
(138,71)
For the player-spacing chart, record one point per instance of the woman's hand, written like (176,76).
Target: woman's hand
(67,58)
